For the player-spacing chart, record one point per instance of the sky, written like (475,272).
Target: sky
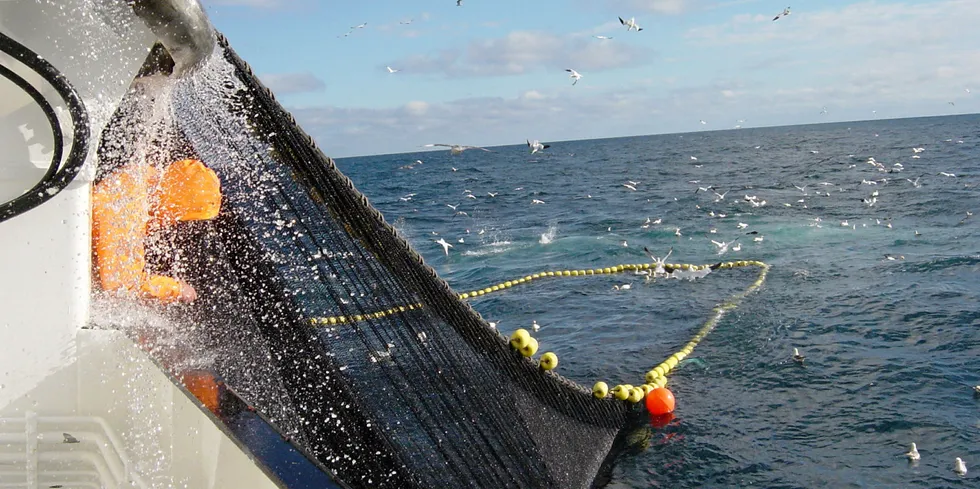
(492,72)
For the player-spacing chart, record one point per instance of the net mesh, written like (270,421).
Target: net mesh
(430,396)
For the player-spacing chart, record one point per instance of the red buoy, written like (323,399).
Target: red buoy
(660,401)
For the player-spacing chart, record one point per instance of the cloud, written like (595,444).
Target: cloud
(657,6)
(292,83)
(523,52)
(249,3)
(875,24)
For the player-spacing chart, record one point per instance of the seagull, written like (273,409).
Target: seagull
(630,24)
(721,197)
(947,174)
(959,466)
(456,149)
(459,3)
(445,245)
(723,246)
(659,270)
(797,356)
(605,38)
(784,13)
(702,121)
(536,146)
(629,187)
(913,453)
(360,26)
(392,70)
(535,326)
(574,75)
(536,201)
(406,22)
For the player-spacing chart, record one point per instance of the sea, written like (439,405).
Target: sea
(875,279)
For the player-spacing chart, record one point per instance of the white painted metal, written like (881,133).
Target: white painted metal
(135,428)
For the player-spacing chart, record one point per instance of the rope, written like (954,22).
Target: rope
(521,340)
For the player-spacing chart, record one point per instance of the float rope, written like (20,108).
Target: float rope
(528,346)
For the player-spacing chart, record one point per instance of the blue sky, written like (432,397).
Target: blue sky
(492,71)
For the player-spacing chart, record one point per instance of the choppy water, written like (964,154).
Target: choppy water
(891,346)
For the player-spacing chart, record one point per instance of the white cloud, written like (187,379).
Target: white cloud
(290,83)
(658,6)
(417,107)
(522,52)
(249,3)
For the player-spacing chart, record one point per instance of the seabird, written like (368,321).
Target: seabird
(392,70)
(797,357)
(723,246)
(69,438)
(536,201)
(630,24)
(658,270)
(605,38)
(456,149)
(574,76)
(536,146)
(959,466)
(445,245)
(360,26)
(913,453)
(784,13)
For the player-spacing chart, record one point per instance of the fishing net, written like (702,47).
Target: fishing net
(413,388)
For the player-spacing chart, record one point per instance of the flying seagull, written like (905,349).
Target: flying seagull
(456,149)
(360,26)
(630,24)
(574,75)
(536,146)
(784,13)
(605,38)
(445,245)
(392,70)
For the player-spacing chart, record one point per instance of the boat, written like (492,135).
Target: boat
(336,356)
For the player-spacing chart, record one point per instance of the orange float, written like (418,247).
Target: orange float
(660,401)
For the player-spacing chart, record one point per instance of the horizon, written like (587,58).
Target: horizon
(706,131)
(475,75)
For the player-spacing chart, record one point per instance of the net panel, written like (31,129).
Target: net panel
(427,396)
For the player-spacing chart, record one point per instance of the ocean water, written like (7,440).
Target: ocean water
(892,347)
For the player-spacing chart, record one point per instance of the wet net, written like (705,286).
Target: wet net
(422,396)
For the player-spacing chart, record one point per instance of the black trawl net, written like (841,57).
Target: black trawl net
(429,396)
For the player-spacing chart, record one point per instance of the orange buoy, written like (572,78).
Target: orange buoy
(660,401)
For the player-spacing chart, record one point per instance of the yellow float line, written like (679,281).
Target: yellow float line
(337,320)
(656,377)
